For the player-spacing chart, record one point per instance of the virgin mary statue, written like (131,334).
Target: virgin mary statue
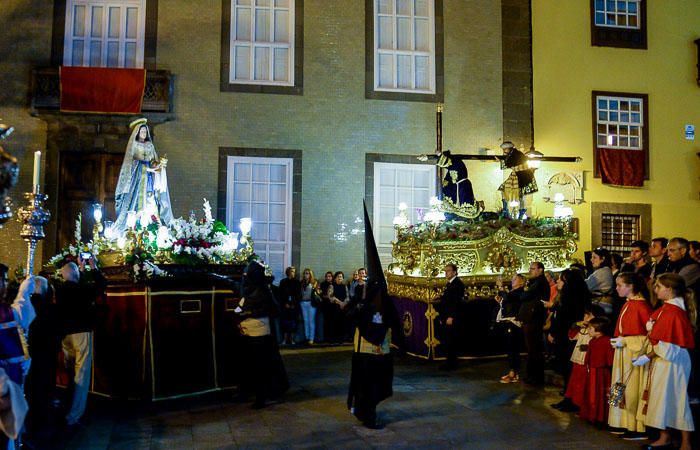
(143,184)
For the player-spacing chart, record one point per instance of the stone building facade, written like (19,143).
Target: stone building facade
(330,124)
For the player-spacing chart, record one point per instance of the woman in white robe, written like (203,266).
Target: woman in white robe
(670,337)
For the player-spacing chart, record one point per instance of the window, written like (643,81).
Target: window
(619,23)
(261,188)
(617,13)
(616,225)
(620,122)
(262,42)
(621,136)
(104,33)
(394,183)
(262,46)
(404,50)
(619,231)
(404,42)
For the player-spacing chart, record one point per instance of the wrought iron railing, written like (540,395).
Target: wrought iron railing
(46,90)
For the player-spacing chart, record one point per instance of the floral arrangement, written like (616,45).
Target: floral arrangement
(457,230)
(205,241)
(71,252)
(184,241)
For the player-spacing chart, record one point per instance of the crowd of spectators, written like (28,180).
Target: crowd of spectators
(622,334)
(314,312)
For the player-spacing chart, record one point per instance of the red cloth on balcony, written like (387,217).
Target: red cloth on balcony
(622,167)
(102,89)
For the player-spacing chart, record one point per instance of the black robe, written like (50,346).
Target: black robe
(262,368)
(371,379)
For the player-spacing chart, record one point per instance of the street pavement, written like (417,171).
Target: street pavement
(467,408)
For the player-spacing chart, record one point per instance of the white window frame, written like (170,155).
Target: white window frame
(262,246)
(617,13)
(69,37)
(394,52)
(271,45)
(384,248)
(614,129)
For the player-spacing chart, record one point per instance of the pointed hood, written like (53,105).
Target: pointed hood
(374,265)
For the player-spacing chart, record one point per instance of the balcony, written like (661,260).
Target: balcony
(46,91)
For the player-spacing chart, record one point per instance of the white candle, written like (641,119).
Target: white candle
(37,168)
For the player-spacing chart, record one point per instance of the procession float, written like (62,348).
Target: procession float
(484,245)
(166,325)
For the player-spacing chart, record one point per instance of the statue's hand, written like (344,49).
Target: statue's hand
(163,162)
(422,157)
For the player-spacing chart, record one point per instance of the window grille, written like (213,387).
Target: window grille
(619,231)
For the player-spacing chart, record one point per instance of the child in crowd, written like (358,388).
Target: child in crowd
(599,359)
(573,397)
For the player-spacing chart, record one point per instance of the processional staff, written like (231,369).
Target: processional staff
(33,216)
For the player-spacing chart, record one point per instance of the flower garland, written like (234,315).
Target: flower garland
(458,230)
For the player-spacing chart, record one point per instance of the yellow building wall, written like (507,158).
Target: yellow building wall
(567,68)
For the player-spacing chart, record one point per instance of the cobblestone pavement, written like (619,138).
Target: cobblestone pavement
(467,408)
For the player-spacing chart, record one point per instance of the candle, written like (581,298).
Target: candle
(37,168)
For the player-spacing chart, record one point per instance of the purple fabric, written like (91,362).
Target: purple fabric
(413,312)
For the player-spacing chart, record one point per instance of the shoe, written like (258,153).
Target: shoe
(507,378)
(614,430)
(569,408)
(634,436)
(375,425)
(559,404)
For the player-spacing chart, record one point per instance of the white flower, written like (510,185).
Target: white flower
(207,212)
(78,226)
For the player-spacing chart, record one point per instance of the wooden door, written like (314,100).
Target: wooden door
(85,179)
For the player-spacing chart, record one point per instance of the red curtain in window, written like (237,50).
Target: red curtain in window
(102,90)
(621,167)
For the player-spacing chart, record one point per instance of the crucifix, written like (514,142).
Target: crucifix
(457,192)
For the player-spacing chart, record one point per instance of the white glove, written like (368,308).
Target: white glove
(617,342)
(642,360)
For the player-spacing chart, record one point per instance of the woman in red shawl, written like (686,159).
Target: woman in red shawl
(670,337)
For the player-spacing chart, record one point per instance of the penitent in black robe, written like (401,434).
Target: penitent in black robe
(372,364)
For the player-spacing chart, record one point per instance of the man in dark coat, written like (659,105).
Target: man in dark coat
(532,316)
(659,257)
(448,308)
(75,304)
